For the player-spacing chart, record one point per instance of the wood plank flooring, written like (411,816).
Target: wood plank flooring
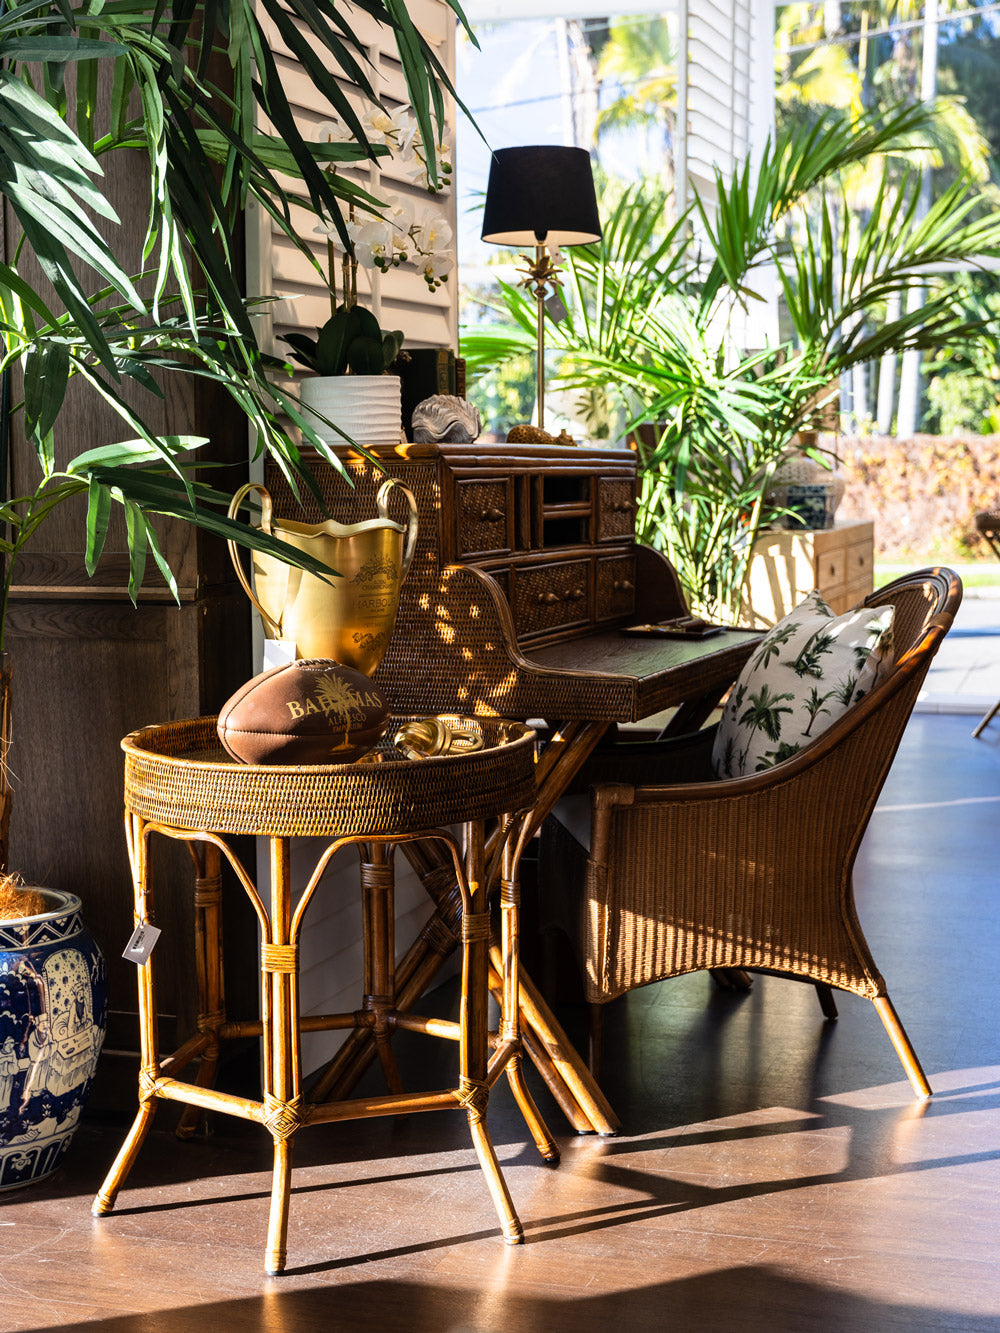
(774,1173)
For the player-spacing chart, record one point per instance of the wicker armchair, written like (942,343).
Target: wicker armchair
(747,873)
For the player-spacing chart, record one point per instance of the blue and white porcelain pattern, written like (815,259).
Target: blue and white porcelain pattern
(53,1013)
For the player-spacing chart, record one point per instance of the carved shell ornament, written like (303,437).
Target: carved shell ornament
(445,418)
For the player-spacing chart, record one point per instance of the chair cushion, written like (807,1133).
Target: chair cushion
(806,673)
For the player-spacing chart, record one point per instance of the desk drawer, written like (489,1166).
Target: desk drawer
(615,587)
(484,517)
(550,597)
(615,509)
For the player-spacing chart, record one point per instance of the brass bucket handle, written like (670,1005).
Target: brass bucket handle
(382,503)
(234,555)
(429,736)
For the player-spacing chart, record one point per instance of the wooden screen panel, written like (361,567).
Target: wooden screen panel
(86,674)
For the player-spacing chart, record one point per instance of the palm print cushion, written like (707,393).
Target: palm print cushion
(806,673)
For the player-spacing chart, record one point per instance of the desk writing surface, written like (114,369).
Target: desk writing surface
(657,673)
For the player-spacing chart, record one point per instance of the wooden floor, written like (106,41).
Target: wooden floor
(775,1172)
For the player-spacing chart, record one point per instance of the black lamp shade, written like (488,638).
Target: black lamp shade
(541,195)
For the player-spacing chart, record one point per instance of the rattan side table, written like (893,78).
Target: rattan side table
(180,784)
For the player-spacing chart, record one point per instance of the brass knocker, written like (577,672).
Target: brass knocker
(429,736)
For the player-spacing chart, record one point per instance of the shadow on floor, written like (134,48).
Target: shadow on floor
(722,1300)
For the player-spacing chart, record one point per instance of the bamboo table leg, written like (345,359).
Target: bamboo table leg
(474,1043)
(208,964)
(282,1094)
(510,1005)
(138,853)
(570,1081)
(379,936)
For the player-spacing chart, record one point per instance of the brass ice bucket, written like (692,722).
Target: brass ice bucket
(349,618)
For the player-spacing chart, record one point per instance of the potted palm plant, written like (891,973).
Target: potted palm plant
(181,90)
(650,313)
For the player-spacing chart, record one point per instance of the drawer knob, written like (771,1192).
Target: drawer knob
(492,515)
(623,585)
(571,595)
(622,507)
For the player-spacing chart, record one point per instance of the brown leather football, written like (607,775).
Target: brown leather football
(310,712)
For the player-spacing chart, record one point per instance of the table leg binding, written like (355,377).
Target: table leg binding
(510,893)
(439,937)
(475,927)
(283,1119)
(474,1095)
(148,1078)
(282,958)
(208,891)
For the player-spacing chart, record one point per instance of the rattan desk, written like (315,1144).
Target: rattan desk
(180,784)
(525,571)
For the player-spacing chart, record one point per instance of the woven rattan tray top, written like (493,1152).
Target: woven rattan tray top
(178,775)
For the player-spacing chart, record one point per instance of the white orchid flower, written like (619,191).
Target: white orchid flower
(400,212)
(332,131)
(395,129)
(373,244)
(431,232)
(328,229)
(435,269)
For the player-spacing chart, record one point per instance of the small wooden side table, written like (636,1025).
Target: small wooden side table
(786,565)
(179,783)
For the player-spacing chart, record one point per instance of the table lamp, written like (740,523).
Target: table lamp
(543,196)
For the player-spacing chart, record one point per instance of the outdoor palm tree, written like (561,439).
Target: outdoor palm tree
(640,58)
(891,60)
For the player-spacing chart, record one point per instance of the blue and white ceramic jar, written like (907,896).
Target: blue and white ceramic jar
(53,1013)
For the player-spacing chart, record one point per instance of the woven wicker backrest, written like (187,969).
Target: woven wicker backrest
(919,598)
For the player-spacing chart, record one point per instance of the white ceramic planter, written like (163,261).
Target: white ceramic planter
(366,407)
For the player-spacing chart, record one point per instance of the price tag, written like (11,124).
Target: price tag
(555,306)
(278,652)
(140,946)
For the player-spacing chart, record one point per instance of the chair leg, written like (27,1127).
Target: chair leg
(595,1039)
(826,1001)
(899,1039)
(987,720)
(731,978)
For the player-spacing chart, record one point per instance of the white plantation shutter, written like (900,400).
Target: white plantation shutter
(725,112)
(725,89)
(401,299)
